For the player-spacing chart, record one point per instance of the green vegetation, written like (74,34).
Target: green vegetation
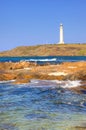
(48,50)
(82,52)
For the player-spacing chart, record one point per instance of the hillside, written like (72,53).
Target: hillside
(48,50)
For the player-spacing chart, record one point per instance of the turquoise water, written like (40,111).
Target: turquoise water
(41,105)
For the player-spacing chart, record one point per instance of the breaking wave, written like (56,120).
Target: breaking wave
(53,59)
(49,83)
(69,84)
(8,81)
(56,83)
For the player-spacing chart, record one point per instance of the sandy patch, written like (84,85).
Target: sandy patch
(27,68)
(72,67)
(57,73)
(23,69)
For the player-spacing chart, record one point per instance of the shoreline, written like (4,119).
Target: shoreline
(23,72)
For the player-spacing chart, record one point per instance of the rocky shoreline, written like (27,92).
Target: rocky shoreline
(23,72)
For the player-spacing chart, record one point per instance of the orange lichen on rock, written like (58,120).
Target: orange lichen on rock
(25,71)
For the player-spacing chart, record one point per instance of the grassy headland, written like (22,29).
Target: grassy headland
(47,50)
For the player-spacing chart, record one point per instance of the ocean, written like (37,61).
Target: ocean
(44,59)
(42,104)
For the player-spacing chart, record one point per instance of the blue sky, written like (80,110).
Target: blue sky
(33,22)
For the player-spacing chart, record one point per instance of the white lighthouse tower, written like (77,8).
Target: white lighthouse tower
(61,35)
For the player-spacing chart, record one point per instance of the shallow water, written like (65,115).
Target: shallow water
(41,105)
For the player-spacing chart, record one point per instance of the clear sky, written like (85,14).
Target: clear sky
(33,22)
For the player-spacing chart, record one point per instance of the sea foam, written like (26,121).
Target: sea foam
(56,83)
(53,59)
(69,84)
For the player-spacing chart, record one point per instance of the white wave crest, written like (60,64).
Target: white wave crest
(56,83)
(69,84)
(8,81)
(53,59)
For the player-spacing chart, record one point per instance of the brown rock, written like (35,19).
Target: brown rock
(16,65)
(22,78)
(80,75)
(10,70)
(21,81)
(7,76)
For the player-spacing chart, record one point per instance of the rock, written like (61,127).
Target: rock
(17,71)
(77,128)
(21,81)
(80,75)
(16,65)
(80,89)
(22,78)
(7,76)
(8,126)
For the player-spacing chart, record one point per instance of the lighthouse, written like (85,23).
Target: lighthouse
(61,39)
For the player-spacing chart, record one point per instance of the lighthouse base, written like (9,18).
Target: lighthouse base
(61,43)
